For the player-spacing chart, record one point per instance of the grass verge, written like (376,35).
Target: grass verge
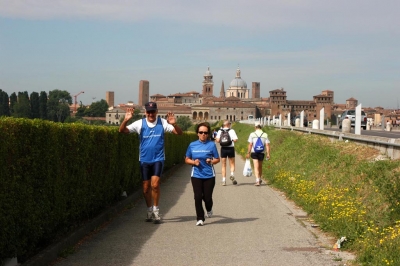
(342,188)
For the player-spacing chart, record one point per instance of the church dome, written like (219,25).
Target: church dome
(238,82)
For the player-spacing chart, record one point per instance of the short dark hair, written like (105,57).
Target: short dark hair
(203,124)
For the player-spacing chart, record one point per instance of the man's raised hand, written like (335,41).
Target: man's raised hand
(171,118)
(129,113)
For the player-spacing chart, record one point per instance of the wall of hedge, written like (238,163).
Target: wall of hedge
(55,176)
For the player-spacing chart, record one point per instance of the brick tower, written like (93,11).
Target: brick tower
(255,90)
(110,98)
(144,91)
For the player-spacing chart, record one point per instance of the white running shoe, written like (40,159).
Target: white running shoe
(157,218)
(199,223)
(149,216)
(209,214)
(223,183)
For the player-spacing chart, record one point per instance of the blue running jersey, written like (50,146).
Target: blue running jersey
(202,151)
(152,142)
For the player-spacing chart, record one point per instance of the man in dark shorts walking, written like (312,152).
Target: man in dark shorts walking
(258,157)
(227,152)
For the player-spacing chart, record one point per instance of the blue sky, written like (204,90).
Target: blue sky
(303,46)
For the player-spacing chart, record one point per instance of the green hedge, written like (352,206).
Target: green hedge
(55,176)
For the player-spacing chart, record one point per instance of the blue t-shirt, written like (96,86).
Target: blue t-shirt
(202,151)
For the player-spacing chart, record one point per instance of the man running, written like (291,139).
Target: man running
(151,152)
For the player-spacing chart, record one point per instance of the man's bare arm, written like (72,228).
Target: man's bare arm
(128,116)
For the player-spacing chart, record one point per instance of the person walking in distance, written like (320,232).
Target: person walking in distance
(214,135)
(151,131)
(202,154)
(227,137)
(258,149)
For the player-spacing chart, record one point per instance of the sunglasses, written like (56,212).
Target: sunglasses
(203,132)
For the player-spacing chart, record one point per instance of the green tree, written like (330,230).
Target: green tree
(25,93)
(35,105)
(22,107)
(43,105)
(80,111)
(184,122)
(4,104)
(97,109)
(58,105)
(13,101)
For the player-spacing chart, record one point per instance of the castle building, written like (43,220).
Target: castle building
(280,105)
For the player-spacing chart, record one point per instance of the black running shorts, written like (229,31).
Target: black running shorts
(257,156)
(228,152)
(151,169)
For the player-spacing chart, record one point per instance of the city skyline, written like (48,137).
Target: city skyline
(305,47)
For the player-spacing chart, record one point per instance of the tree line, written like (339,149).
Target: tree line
(54,106)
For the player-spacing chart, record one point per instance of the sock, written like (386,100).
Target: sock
(155,208)
(150,209)
(223,179)
(257,179)
(231,173)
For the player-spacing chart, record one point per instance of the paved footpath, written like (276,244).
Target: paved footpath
(250,226)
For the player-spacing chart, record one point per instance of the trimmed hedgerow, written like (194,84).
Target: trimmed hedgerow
(56,176)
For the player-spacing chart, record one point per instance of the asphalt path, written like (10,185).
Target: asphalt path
(251,225)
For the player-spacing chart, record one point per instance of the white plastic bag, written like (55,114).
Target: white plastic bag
(247,168)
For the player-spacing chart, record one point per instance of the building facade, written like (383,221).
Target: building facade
(236,104)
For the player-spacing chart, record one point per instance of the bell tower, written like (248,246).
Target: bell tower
(208,84)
